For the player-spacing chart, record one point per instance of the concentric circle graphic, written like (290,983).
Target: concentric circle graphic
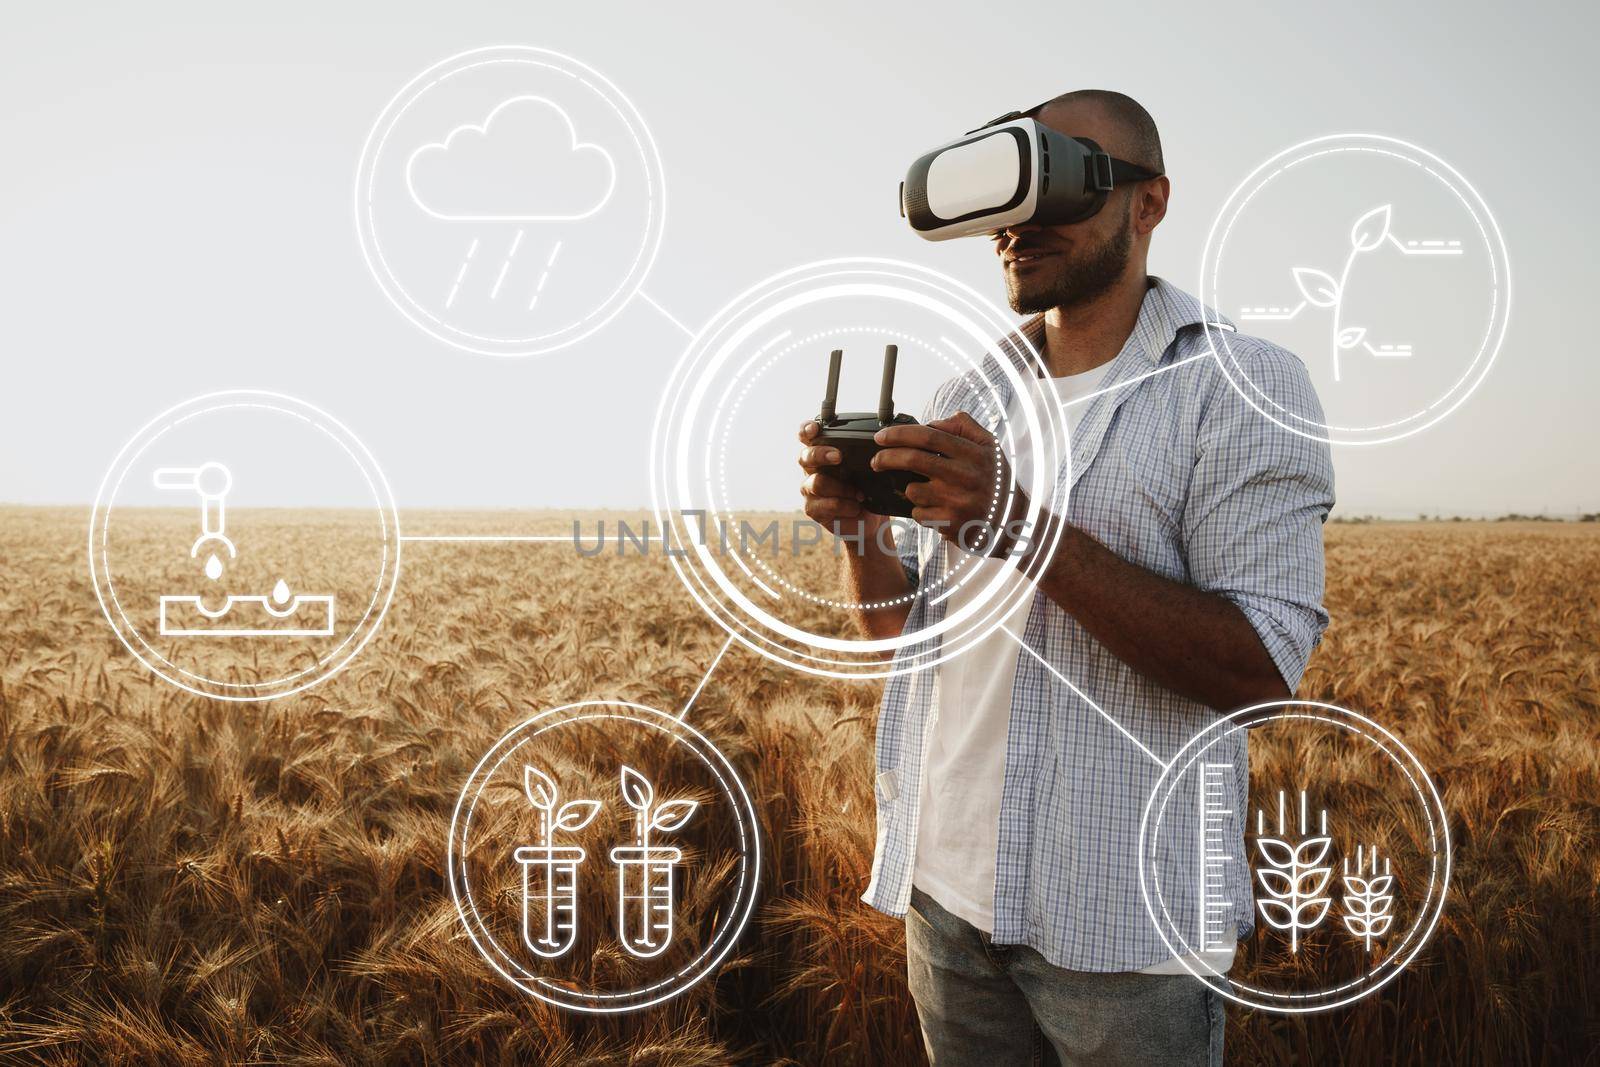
(244,545)
(1341,903)
(1379,265)
(785,325)
(510,200)
(580,946)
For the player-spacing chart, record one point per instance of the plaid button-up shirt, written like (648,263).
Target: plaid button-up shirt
(1177,473)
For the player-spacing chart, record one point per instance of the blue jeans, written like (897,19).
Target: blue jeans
(1005,1005)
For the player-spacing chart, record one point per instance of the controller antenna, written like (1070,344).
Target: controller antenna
(891,353)
(830,399)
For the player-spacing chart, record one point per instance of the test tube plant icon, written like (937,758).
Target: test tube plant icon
(645,904)
(549,870)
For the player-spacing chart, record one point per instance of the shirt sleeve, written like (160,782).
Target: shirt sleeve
(1258,497)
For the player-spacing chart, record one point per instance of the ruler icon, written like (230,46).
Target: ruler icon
(1217,830)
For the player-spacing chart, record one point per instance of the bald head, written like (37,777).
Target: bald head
(1118,123)
(1058,267)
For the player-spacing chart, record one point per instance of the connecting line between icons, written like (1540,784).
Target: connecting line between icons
(485,537)
(1133,381)
(709,671)
(669,316)
(492,538)
(553,538)
(1085,698)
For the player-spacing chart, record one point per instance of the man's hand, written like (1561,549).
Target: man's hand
(873,574)
(829,502)
(968,477)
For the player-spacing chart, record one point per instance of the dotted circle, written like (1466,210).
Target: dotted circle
(673,474)
(1428,798)
(632,121)
(749,380)
(1493,243)
(653,992)
(327,664)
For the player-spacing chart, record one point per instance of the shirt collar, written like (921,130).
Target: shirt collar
(1166,311)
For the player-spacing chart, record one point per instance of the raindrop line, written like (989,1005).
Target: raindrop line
(494,294)
(547,265)
(462,273)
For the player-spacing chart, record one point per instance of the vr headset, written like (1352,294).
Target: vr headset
(1007,172)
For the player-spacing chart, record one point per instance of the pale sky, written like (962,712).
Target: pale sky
(177,212)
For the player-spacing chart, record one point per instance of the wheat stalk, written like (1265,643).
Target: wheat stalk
(1294,876)
(1367,900)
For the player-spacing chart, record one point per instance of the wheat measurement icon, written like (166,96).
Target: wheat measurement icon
(1368,897)
(1294,873)
(1217,831)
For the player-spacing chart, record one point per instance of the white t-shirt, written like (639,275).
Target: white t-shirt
(958,831)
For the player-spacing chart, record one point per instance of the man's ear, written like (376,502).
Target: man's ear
(1150,204)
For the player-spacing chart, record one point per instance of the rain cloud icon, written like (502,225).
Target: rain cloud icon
(523,163)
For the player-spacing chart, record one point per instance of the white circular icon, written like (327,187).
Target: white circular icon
(1317,856)
(725,485)
(244,545)
(604,856)
(509,201)
(1375,262)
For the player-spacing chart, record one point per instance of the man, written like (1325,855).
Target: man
(1187,582)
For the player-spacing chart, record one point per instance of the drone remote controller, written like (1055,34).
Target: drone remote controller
(852,434)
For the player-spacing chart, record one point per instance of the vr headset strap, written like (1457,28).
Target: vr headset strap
(1107,174)
(1120,171)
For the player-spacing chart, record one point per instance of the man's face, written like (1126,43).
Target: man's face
(1069,266)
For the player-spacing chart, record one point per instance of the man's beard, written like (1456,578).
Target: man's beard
(1074,282)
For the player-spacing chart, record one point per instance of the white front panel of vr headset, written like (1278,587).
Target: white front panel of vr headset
(978,174)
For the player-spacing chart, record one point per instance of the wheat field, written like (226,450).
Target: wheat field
(185,881)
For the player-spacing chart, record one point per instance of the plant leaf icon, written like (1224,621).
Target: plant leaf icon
(1312,851)
(1276,852)
(1312,881)
(576,814)
(540,787)
(1278,914)
(1319,287)
(1275,882)
(1309,913)
(636,789)
(673,814)
(1351,336)
(1371,229)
